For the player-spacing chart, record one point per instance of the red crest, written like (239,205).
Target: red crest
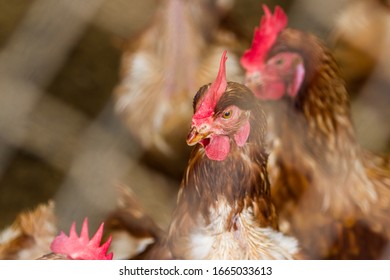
(264,37)
(214,93)
(81,247)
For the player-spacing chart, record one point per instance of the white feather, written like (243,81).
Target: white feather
(248,241)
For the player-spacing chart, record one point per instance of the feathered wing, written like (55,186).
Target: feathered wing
(135,235)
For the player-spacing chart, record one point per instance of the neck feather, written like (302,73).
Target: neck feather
(242,176)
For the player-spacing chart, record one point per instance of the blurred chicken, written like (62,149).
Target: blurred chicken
(361,43)
(224,208)
(162,68)
(29,237)
(360,38)
(133,231)
(330,193)
(74,247)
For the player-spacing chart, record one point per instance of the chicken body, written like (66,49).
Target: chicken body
(330,193)
(29,237)
(161,70)
(135,234)
(224,208)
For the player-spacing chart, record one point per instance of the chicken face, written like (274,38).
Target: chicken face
(272,75)
(216,132)
(219,117)
(280,75)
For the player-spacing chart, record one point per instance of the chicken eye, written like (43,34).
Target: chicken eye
(227,114)
(279,61)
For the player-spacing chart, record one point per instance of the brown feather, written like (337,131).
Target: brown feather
(135,235)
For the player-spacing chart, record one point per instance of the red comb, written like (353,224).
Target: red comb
(82,248)
(214,93)
(264,37)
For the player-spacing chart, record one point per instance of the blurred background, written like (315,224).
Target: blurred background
(60,137)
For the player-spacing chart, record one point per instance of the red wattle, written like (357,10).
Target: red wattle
(218,148)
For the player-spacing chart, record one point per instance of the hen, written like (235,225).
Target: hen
(74,247)
(29,237)
(160,71)
(224,208)
(330,193)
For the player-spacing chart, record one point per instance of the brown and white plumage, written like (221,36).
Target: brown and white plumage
(224,208)
(161,70)
(30,236)
(330,193)
(135,235)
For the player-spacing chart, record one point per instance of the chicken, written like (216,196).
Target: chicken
(135,234)
(74,247)
(224,208)
(330,193)
(160,71)
(29,237)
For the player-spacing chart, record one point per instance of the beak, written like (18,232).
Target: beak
(194,136)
